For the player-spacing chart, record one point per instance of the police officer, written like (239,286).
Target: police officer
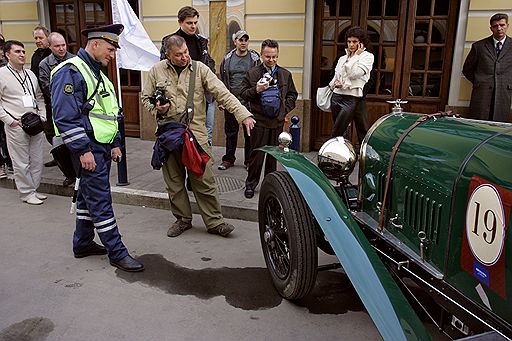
(85,112)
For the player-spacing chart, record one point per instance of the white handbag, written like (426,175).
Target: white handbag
(323,98)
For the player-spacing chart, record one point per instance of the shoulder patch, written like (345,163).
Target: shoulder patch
(68,88)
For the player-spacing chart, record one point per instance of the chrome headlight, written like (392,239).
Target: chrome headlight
(337,158)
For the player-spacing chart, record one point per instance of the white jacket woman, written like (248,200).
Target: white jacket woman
(350,75)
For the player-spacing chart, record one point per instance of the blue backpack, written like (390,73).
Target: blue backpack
(271,100)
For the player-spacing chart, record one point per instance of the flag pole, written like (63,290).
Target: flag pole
(122,169)
(137,52)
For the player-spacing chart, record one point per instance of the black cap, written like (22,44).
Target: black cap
(109,33)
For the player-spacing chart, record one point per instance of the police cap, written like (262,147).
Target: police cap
(109,33)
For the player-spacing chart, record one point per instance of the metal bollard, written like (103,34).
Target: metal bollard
(122,171)
(295,132)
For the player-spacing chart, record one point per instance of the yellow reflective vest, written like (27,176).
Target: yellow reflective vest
(104,112)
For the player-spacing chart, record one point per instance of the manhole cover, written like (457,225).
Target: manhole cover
(226,184)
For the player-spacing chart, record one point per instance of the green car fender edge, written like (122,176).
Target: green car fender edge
(389,309)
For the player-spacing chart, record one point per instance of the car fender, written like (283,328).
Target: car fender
(389,309)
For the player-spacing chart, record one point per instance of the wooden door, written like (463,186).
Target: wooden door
(411,42)
(70,17)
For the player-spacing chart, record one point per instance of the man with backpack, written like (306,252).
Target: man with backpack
(271,95)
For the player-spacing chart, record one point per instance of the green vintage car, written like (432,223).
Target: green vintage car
(432,207)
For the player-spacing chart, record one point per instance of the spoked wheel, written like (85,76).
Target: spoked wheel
(287,236)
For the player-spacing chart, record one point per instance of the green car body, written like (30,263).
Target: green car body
(447,218)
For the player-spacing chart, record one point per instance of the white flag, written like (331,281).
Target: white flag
(137,51)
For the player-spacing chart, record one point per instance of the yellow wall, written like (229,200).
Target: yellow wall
(17,21)
(291,56)
(289,29)
(17,11)
(478,5)
(478,28)
(159,29)
(159,8)
(18,31)
(274,7)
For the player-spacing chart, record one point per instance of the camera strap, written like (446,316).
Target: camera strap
(189,112)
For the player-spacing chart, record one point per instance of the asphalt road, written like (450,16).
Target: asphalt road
(195,287)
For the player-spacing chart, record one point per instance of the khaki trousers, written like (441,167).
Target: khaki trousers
(204,189)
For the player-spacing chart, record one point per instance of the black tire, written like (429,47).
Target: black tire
(287,236)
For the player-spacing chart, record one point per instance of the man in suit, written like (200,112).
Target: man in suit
(489,67)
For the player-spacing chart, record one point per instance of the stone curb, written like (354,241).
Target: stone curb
(136,197)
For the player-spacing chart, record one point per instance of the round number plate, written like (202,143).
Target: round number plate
(485,224)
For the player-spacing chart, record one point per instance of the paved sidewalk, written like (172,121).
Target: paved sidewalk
(147,188)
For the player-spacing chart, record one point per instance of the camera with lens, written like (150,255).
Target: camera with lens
(267,78)
(158,96)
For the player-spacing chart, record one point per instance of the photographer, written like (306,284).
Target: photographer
(172,76)
(271,94)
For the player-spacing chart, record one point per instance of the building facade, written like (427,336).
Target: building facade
(419,46)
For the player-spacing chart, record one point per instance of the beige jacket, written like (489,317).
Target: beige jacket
(163,76)
(11,95)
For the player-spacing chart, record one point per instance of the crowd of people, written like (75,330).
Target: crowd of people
(77,107)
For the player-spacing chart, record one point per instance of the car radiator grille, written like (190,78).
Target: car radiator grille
(421,213)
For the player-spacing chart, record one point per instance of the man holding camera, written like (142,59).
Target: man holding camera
(172,76)
(19,94)
(271,94)
(85,113)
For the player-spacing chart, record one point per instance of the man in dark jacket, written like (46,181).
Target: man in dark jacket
(197,45)
(267,129)
(43,48)
(188,18)
(489,67)
(232,71)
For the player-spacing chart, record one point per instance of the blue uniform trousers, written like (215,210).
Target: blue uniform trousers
(94,207)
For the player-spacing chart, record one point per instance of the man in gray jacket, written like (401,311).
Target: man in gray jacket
(59,54)
(489,67)
(232,71)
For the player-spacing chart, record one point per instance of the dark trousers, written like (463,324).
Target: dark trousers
(231,127)
(261,137)
(5,159)
(346,109)
(94,206)
(49,131)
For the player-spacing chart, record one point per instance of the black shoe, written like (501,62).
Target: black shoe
(51,163)
(68,181)
(128,263)
(93,250)
(249,193)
